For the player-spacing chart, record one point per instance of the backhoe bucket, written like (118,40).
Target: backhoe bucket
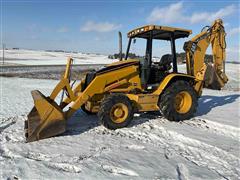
(46,119)
(213,79)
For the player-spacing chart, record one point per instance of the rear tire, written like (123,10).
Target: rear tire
(179,101)
(116,111)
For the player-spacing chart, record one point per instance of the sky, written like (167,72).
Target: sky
(92,26)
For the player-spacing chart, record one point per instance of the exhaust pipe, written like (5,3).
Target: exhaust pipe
(120,45)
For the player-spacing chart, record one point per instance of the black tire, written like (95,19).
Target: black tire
(167,101)
(86,111)
(106,107)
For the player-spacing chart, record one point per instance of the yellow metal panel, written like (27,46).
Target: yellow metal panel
(166,80)
(198,87)
(98,85)
(199,55)
(144,102)
(136,82)
(123,90)
(123,62)
(67,71)
(147,99)
(115,85)
(148,107)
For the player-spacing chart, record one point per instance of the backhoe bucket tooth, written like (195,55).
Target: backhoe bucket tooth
(46,119)
(213,79)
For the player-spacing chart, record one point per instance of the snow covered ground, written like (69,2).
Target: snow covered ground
(33,57)
(204,147)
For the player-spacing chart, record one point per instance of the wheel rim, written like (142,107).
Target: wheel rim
(119,113)
(183,102)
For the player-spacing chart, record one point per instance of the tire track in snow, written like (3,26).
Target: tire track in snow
(182,172)
(118,170)
(200,153)
(53,162)
(72,164)
(12,131)
(48,161)
(64,167)
(59,158)
(58,162)
(218,128)
(3,127)
(5,123)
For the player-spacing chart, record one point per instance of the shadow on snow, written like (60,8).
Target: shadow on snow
(81,122)
(206,103)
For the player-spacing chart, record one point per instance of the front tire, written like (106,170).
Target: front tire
(116,111)
(86,111)
(179,101)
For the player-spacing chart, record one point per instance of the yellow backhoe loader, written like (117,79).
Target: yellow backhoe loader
(120,89)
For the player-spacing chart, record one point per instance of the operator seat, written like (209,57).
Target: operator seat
(160,69)
(165,62)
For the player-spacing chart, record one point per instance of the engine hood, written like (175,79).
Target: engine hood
(123,62)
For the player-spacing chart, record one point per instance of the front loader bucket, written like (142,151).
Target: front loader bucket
(213,79)
(46,119)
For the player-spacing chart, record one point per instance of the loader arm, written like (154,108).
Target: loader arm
(47,118)
(210,75)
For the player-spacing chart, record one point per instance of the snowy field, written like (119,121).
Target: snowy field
(204,147)
(33,57)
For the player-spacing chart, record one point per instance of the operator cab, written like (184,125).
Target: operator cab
(154,72)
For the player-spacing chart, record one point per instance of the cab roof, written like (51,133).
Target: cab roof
(159,32)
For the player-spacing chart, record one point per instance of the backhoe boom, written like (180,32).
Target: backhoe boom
(211,74)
